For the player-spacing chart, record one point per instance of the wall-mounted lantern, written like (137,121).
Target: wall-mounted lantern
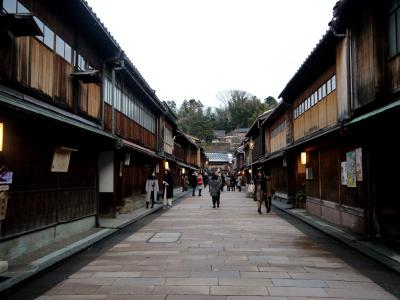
(166,165)
(183,171)
(303,158)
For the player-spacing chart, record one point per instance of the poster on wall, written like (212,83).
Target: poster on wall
(351,169)
(6,177)
(359,171)
(343,172)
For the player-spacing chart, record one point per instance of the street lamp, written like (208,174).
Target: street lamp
(251,147)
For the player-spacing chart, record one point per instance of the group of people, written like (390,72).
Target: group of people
(198,181)
(152,189)
(263,188)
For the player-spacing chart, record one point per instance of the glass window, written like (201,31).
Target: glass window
(41,26)
(22,9)
(324,90)
(60,46)
(10,6)
(309,102)
(68,53)
(329,86)
(81,62)
(334,82)
(48,37)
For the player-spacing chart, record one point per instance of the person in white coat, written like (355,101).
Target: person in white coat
(151,190)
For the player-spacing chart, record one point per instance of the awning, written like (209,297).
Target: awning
(179,163)
(88,76)
(375,112)
(20,24)
(280,154)
(317,135)
(140,149)
(51,112)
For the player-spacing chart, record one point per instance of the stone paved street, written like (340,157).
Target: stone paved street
(193,251)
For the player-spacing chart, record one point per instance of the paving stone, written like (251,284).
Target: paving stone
(297,291)
(126,290)
(239,290)
(300,283)
(264,275)
(226,254)
(181,290)
(72,297)
(223,274)
(359,293)
(255,298)
(194,297)
(117,274)
(191,281)
(245,282)
(139,281)
(136,297)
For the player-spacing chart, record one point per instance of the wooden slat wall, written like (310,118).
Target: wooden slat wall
(40,198)
(179,152)
(21,59)
(62,81)
(129,129)
(330,170)
(42,68)
(280,178)
(323,114)
(364,67)
(39,68)
(313,185)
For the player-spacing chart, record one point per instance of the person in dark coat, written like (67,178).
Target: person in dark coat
(222,182)
(168,184)
(215,185)
(193,182)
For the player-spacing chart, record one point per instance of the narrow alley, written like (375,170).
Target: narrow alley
(193,251)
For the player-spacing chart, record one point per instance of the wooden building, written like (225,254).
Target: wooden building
(80,128)
(331,136)
(51,111)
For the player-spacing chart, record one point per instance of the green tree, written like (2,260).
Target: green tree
(195,120)
(270,102)
(172,105)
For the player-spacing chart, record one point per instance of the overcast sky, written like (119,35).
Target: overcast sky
(196,48)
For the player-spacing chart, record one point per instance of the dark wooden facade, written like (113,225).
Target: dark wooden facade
(344,98)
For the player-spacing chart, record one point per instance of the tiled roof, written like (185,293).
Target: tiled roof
(219,157)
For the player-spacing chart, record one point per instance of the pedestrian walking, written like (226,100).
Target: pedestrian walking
(193,182)
(228,183)
(233,182)
(205,179)
(259,183)
(269,192)
(168,184)
(200,183)
(239,183)
(151,190)
(222,182)
(215,189)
